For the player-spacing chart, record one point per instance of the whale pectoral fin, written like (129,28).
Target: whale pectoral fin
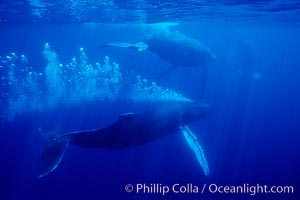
(139,46)
(196,147)
(126,116)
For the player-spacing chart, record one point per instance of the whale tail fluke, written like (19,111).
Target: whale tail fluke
(53,150)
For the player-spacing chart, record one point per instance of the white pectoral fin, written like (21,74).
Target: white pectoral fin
(196,147)
(126,116)
(139,46)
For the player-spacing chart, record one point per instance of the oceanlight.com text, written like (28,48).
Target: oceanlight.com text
(250,189)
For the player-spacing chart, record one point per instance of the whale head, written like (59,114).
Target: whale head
(192,111)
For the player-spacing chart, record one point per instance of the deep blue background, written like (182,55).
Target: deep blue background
(251,136)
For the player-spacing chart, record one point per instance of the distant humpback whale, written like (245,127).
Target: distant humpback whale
(130,129)
(173,47)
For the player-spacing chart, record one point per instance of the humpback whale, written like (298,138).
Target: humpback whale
(131,129)
(173,47)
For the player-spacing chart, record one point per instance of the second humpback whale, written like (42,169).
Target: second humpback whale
(131,129)
(173,47)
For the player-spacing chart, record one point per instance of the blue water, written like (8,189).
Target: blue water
(249,137)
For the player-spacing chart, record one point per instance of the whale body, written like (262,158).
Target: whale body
(173,47)
(131,129)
